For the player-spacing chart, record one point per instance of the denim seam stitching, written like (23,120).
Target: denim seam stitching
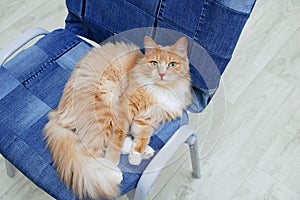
(139,8)
(159,9)
(172,22)
(201,18)
(88,20)
(48,62)
(65,49)
(38,72)
(157,16)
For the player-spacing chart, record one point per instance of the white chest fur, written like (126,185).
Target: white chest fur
(169,99)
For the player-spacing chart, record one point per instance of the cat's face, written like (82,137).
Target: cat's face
(165,65)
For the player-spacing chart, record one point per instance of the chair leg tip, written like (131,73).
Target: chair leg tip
(10,169)
(196,175)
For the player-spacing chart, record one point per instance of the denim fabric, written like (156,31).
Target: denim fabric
(31,85)
(214,25)
(84,18)
(244,6)
(20,139)
(8,83)
(32,82)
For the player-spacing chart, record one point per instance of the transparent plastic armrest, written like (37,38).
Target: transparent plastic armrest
(160,161)
(18,43)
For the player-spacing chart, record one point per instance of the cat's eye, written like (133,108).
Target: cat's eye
(172,64)
(154,63)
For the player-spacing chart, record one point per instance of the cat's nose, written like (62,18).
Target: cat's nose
(161,75)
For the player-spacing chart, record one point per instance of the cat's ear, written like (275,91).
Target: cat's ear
(181,46)
(150,45)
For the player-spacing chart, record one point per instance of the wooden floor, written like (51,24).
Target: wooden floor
(256,113)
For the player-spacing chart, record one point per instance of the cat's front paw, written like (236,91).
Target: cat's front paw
(127,145)
(135,158)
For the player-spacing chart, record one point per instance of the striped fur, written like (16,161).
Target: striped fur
(114,91)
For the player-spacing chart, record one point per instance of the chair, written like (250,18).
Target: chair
(32,82)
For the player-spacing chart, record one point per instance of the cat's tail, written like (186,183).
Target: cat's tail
(86,175)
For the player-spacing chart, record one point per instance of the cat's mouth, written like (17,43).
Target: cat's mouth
(164,80)
(161,79)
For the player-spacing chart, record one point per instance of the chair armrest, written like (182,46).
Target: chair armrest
(18,43)
(160,161)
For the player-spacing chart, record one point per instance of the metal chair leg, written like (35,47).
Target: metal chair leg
(159,162)
(10,169)
(192,141)
(130,194)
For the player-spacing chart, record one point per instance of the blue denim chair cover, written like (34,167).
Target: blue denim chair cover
(33,81)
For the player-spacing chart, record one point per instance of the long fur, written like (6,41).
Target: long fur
(112,91)
(75,133)
(87,175)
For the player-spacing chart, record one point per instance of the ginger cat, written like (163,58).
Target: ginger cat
(115,91)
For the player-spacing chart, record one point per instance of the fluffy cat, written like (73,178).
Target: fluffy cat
(115,91)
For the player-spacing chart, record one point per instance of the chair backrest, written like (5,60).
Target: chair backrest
(213,27)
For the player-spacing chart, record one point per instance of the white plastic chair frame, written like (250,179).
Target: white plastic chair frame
(185,134)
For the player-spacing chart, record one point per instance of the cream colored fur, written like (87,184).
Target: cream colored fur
(86,175)
(114,91)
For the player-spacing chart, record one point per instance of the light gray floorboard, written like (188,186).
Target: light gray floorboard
(258,153)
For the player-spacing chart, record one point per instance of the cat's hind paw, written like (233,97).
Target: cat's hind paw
(148,152)
(135,158)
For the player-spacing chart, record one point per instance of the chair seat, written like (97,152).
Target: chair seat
(31,85)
